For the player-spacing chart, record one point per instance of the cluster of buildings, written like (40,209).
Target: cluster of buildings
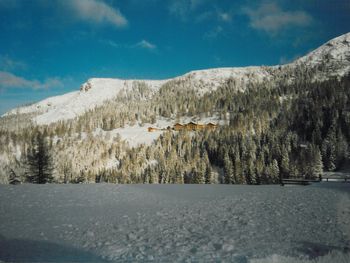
(191,126)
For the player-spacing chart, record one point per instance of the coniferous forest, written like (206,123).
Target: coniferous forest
(270,131)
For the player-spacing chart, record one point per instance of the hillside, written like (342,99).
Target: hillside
(99,133)
(331,59)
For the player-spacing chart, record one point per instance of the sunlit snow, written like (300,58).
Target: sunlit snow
(174,223)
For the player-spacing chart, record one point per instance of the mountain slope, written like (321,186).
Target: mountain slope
(263,114)
(329,60)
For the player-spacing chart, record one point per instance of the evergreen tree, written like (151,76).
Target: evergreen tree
(275,171)
(260,165)
(208,175)
(14,178)
(39,161)
(341,149)
(328,155)
(238,171)
(198,175)
(250,173)
(317,169)
(179,179)
(228,170)
(285,164)
(329,149)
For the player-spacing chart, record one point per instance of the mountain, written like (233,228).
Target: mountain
(272,121)
(333,57)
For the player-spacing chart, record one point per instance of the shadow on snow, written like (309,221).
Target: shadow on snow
(24,250)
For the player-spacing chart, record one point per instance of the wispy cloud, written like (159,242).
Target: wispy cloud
(204,16)
(224,16)
(183,8)
(270,18)
(8,4)
(143,44)
(214,33)
(111,43)
(7,63)
(198,11)
(97,11)
(146,45)
(10,80)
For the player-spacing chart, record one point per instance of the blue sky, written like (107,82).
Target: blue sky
(50,47)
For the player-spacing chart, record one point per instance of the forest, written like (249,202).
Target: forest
(273,130)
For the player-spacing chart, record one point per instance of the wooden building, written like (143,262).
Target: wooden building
(191,126)
(211,126)
(151,129)
(178,127)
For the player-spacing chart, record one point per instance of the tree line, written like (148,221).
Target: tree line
(272,130)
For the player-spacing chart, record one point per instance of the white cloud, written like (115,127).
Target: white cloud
(98,12)
(146,45)
(9,80)
(92,11)
(269,17)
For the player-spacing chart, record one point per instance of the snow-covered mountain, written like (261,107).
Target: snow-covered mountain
(70,105)
(333,57)
(336,50)
(105,129)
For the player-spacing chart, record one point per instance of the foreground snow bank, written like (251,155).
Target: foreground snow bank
(174,223)
(336,257)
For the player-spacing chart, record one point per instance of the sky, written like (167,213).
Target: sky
(50,47)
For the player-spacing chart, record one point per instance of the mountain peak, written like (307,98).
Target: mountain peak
(335,49)
(343,39)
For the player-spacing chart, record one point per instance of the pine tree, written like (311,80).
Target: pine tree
(250,173)
(341,149)
(196,176)
(317,168)
(238,171)
(228,170)
(179,179)
(39,161)
(208,171)
(285,170)
(274,171)
(14,178)
(329,149)
(328,155)
(260,165)
(208,175)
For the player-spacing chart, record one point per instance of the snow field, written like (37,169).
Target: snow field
(137,134)
(337,257)
(180,223)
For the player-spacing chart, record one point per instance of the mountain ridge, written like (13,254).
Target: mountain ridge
(334,55)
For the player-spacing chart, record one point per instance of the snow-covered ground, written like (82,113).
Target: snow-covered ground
(138,134)
(174,223)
